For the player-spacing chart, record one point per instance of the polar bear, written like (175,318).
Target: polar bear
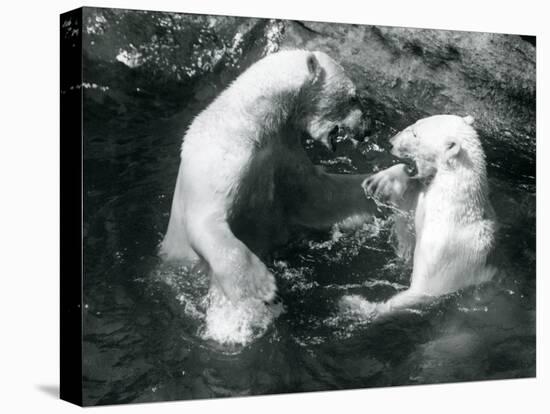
(448,201)
(245,180)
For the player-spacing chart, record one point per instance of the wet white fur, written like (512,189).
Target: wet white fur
(212,163)
(235,141)
(222,140)
(453,219)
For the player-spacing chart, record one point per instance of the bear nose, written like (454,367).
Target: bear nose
(388,144)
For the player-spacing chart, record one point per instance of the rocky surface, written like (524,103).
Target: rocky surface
(406,74)
(402,74)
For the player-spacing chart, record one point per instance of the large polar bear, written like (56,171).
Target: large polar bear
(448,201)
(245,180)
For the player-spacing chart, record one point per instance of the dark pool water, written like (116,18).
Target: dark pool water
(144,321)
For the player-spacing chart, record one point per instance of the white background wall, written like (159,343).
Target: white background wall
(29,194)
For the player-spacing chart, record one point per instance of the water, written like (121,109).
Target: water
(145,336)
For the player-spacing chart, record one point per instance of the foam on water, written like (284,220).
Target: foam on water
(219,319)
(350,237)
(235,323)
(232,326)
(357,306)
(298,278)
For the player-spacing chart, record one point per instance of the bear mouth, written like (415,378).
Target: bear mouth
(419,170)
(412,167)
(410,163)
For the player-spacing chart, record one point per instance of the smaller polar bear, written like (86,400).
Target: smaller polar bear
(448,201)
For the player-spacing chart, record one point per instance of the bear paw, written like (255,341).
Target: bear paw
(261,284)
(247,279)
(387,185)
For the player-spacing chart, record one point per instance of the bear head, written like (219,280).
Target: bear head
(439,142)
(334,109)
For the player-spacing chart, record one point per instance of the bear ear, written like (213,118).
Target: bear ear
(469,119)
(452,150)
(313,66)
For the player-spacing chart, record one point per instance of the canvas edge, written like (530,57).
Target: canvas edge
(71,210)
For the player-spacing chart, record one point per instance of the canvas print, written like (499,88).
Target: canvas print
(262,206)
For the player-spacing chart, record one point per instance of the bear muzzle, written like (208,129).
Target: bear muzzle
(400,154)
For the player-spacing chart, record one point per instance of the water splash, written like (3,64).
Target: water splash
(299,279)
(357,307)
(348,239)
(234,323)
(219,319)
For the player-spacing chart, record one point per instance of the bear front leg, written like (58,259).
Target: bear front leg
(233,267)
(394,185)
(175,246)
(325,199)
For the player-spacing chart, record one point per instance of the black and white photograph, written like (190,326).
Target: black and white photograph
(276,206)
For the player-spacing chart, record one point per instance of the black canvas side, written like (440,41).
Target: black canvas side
(71,206)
